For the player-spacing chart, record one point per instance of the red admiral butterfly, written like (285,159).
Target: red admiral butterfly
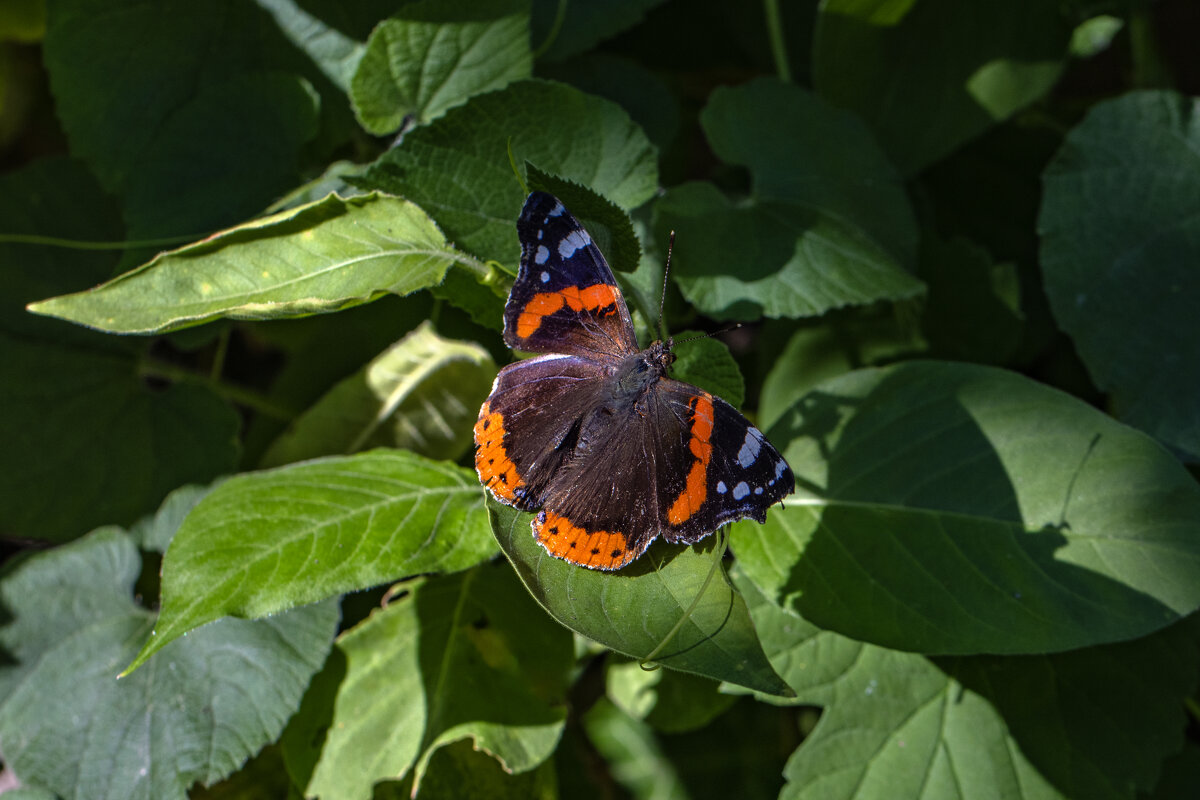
(594,433)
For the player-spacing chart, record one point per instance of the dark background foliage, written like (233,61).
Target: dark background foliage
(253,259)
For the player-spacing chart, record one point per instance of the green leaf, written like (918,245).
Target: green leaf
(266,541)
(672,702)
(67,724)
(632,610)
(334,52)
(320,257)
(901,725)
(606,222)
(1120,227)
(421,394)
(707,363)
(195,116)
(828,224)
(632,753)
(432,56)
(940,72)
(85,437)
(984,513)
(458,166)
(459,770)
(155,531)
(829,347)
(631,84)
(467,656)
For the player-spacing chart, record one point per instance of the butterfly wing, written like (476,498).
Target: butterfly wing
(678,466)
(565,298)
(732,471)
(529,424)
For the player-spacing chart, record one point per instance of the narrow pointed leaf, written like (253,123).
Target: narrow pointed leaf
(263,542)
(327,255)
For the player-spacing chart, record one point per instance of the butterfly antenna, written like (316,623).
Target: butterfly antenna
(721,332)
(662,298)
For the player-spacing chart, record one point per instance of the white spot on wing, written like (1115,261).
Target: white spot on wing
(541,255)
(758,490)
(557,211)
(780,467)
(572,242)
(741,490)
(750,447)
(721,487)
(545,276)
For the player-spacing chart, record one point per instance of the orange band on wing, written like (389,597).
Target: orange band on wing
(566,540)
(695,491)
(593,298)
(495,468)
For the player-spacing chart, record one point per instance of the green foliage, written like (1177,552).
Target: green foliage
(960,255)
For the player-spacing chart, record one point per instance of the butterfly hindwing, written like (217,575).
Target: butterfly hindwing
(565,298)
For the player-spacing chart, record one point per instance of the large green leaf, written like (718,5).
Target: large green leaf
(467,656)
(421,394)
(267,541)
(633,609)
(458,168)
(66,723)
(320,257)
(946,508)
(929,75)
(1120,228)
(828,224)
(901,725)
(431,56)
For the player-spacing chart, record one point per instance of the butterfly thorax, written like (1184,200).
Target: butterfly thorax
(640,371)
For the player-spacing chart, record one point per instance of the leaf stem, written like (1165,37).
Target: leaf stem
(1149,69)
(559,15)
(80,244)
(778,46)
(151,368)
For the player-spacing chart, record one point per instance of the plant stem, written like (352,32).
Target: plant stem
(775,32)
(236,394)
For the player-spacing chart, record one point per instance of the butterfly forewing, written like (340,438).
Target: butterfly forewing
(565,299)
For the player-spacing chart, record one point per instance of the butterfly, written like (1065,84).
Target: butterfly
(593,433)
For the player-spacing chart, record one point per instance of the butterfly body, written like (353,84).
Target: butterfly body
(594,433)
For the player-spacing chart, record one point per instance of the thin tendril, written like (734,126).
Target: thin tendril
(718,553)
